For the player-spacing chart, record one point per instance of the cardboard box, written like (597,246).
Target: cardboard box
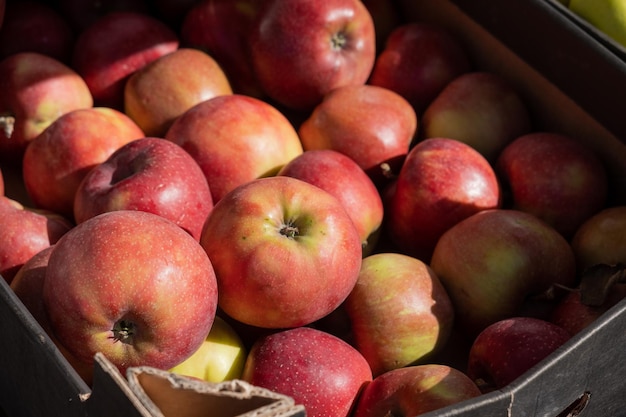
(35,379)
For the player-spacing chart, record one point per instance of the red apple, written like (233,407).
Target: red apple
(399,311)
(116,45)
(418,61)
(147,174)
(343,178)
(1,183)
(442,182)
(132,285)
(83,13)
(414,390)
(235,139)
(495,261)
(56,161)
(508,348)
(37,89)
(479,108)
(158,93)
(372,125)
(302,49)
(285,252)
(316,369)
(554,177)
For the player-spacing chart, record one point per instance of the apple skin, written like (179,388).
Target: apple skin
(418,61)
(285,252)
(414,390)
(38,89)
(479,108)
(25,232)
(235,139)
(554,177)
(506,349)
(399,312)
(148,174)
(116,45)
(492,262)
(302,49)
(441,182)
(342,177)
(57,160)
(155,95)
(316,369)
(372,125)
(132,285)
(221,356)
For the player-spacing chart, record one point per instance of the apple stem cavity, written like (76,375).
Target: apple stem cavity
(7,124)
(123,331)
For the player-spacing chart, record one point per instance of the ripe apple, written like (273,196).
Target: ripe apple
(414,390)
(221,356)
(1,183)
(418,61)
(302,49)
(372,125)
(342,177)
(37,89)
(479,108)
(132,285)
(235,139)
(116,45)
(285,252)
(399,311)
(83,13)
(495,261)
(155,95)
(25,232)
(316,369)
(441,182)
(57,160)
(508,348)
(554,177)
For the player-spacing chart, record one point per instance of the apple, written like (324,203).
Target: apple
(148,174)
(554,177)
(83,13)
(372,125)
(316,369)
(497,261)
(508,348)
(155,95)
(221,28)
(37,90)
(302,49)
(342,177)
(221,356)
(399,311)
(57,160)
(418,60)
(132,285)
(441,182)
(479,108)
(414,390)
(34,26)
(116,45)
(1,183)
(285,252)
(235,139)
(25,232)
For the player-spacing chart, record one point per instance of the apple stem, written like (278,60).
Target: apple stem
(123,331)
(387,172)
(7,124)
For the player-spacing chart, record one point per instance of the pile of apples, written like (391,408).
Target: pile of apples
(319,198)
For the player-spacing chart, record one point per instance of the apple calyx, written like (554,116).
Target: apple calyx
(7,124)
(338,41)
(289,230)
(123,331)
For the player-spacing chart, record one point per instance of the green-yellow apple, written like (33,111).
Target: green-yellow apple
(302,49)
(608,16)
(132,285)
(315,368)
(57,160)
(285,252)
(156,94)
(147,174)
(414,390)
(235,139)
(399,311)
(221,356)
